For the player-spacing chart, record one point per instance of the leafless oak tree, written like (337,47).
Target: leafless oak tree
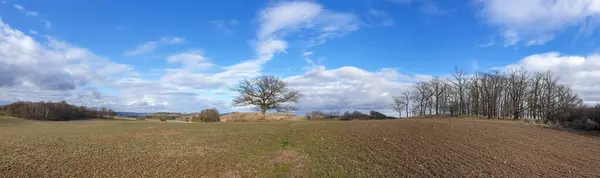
(265,93)
(398,105)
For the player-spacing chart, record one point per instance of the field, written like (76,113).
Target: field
(390,148)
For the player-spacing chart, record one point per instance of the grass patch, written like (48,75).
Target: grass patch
(7,117)
(285,142)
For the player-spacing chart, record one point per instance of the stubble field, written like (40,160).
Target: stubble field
(390,148)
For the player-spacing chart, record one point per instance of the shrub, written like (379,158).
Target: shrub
(377,115)
(354,115)
(210,115)
(163,119)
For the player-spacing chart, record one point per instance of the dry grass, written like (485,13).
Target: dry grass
(389,148)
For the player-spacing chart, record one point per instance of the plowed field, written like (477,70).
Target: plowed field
(391,148)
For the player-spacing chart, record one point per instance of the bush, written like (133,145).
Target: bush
(316,115)
(208,115)
(163,119)
(354,115)
(377,115)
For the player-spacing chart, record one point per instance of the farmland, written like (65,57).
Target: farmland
(410,147)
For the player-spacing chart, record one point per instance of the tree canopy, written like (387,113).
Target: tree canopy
(265,93)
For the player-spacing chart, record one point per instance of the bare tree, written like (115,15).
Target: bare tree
(406,100)
(422,96)
(398,105)
(517,90)
(265,93)
(460,80)
(437,87)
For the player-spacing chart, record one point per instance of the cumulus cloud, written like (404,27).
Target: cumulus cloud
(536,22)
(150,46)
(52,70)
(349,88)
(581,72)
(55,65)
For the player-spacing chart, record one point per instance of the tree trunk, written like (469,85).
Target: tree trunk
(263,111)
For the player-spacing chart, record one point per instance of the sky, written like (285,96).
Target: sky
(182,56)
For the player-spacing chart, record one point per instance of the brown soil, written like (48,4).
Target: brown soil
(390,148)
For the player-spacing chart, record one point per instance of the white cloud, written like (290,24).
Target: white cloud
(279,20)
(33,32)
(191,60)
(31,70)
(150,46)
(538,21)
(25,11)
(19,7)
(581,72)
(350,88)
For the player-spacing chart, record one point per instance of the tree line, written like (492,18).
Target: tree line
(515,94)
(55,111)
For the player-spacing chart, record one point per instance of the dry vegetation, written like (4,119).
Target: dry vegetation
(389,148)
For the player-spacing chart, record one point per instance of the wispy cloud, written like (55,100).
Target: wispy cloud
(224,25)
(432,8)
(381,18)
(150,46)
(401,1)
(32,14)
(25,11)
(427,7)
(488,44)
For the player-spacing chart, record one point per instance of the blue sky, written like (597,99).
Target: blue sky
(182,56)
